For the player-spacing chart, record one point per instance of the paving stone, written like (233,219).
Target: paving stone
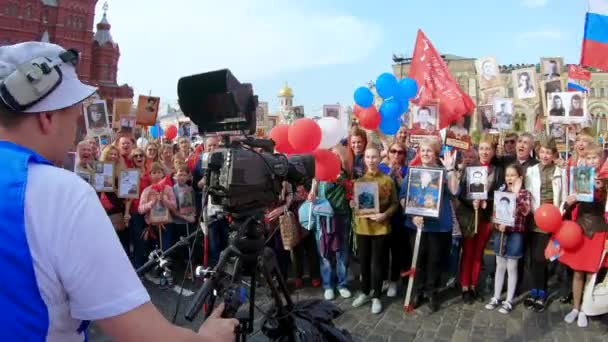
(401,336)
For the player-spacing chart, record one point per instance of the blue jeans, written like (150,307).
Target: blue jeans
(141,247)
(341,256)
(454,260)
(218,240)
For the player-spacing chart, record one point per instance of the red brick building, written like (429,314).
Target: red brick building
(68,23)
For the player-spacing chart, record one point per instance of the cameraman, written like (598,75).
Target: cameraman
(59,250)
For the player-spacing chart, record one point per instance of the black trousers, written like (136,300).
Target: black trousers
(397,254)
(306,248)
(371,250)
(433,252)
(537,263)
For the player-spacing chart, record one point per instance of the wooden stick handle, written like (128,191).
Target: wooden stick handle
(502,235)
(476,219)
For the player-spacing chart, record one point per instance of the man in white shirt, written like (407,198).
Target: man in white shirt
(59,250)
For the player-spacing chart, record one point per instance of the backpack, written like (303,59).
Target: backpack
(321,208)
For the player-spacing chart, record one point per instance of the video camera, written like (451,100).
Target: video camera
(244,175)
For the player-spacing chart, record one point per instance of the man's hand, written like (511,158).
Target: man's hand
(501,228)
(476,204)
(218,329)
(418,221)
(378,217)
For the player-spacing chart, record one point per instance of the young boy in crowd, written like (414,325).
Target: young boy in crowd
(184,213)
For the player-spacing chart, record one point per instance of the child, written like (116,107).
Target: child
(157,197)
(547,183)
(586,258)
(508,244)
(183,214)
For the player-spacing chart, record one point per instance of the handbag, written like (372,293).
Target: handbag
(290,230)
(118,221)
(595,295)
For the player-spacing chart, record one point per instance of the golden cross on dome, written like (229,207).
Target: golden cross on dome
(105,7)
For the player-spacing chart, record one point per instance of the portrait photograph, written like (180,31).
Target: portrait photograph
(329,110)
(567,107)
(487,69)
(185,201)
(121,108)
(96,117)
(159,214)
(551,67)
(147,110)
(550,87)
(582,182)
(504,208)
(486,117)
(424,191)
(298,112)
(366,196)
(425,118)
(87,177)
(503,114)
(184,129)
(557,131)
(524,83)
(458,135)
(103,179)
(477,182)
(128,183)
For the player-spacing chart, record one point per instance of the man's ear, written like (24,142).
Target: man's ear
(45,122)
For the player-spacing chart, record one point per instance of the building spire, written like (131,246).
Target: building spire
(103,36)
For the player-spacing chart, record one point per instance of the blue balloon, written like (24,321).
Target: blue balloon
(364,97)
(389,126)
(390,108)
(408,88)
(156,131)
(386,85)
(404,105)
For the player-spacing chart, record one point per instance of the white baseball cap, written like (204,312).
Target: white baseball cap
(68,92)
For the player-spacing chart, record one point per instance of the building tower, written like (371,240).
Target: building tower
(285,102)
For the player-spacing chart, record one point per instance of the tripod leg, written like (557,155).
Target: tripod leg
(271,266)
(190,248)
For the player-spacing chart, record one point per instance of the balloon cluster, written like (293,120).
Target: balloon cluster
(396,96)
(568,234)
(308,136)
(169,133)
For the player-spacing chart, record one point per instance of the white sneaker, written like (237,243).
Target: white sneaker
(329,294)
(344,292)
(571,316)
(392,289)
(376,306)
(360,300)
(582,320)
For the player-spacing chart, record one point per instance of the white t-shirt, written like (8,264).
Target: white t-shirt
(81,268)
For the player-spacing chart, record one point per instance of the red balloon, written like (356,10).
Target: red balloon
(357,110)
(171,132)
(570,236)
(279,134)
(304,135)
(369,118)
(548,218)
(327,165)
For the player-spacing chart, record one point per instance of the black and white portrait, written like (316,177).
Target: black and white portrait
(329,110)
(503,114)
(486,115)
(96,117)
(551,68)
(425,118)
(487,69)
(524,82)
(477,180)
(504,208)
(567,107)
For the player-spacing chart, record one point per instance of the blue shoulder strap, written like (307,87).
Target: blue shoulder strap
(25,316)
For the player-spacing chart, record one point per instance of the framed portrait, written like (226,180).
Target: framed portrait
(147,110)
(486,117)
(458,137)
(366,196)
(424,119)
(503,114)
(298,112)
(330,110)
(103,140)
(103,179)
(128,183)
(488,95)
(582,182)
(424,191)
(159,214)
(121,109)
(504,208)
(477,182)
(549,87)
(86,176)
(185,201)
(551,67)
(415,139)
(487,69)
(524,83)
(96,117)
(557,131)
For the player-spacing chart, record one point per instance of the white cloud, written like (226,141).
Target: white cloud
(542,34)
(534,3)
(256,40)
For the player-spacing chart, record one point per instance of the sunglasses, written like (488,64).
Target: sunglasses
(138,156)
(399,152)
(509,141)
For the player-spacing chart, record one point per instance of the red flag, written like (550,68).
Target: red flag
(436,83)
(577,72)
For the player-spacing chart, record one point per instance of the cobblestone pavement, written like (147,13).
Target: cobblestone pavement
(454,322)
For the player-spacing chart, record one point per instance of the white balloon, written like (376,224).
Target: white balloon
(142,142)
(331,132)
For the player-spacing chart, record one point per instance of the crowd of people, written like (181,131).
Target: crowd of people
(452,245)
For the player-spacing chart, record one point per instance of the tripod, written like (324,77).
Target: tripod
(251,258)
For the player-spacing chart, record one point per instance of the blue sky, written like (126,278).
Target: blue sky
(325,49)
